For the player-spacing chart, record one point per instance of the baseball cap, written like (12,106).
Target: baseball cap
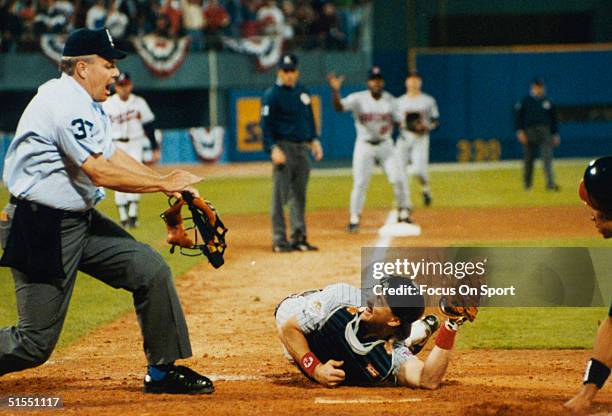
(288,62)
(124,78)
(375,73)
(538,81)
(92,42)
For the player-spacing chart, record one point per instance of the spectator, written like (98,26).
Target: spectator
(327,28)
(53,16)
(96,16)
(162,26)
(148,16)
(11,26)
(271,20)
(193,22)
(249,18)
(233,8)
(116,22)
(217,19)
(305,17)
(172,9)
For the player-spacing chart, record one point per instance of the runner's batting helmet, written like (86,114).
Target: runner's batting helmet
(596,186)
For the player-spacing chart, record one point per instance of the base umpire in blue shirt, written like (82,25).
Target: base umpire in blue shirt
(289,134)
(536,128)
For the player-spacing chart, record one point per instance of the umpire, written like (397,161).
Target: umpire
(61,157)
(536,128)
(289,133)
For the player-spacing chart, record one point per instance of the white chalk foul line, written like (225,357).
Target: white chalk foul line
(236,377)
(363,400)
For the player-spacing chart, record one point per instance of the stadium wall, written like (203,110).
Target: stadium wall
(476,91)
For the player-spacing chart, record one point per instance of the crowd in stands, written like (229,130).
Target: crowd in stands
(305,24)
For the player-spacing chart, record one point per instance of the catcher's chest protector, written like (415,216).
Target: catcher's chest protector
(364,362)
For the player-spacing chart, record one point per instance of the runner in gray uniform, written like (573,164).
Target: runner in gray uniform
(301,316)
(373,111)
(417,113)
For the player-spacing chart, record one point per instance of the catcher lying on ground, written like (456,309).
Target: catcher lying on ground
(335,342)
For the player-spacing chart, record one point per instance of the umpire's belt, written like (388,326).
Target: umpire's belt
(34,243)
(122,139)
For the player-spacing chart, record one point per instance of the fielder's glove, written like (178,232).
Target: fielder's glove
(206,223)
(415,124)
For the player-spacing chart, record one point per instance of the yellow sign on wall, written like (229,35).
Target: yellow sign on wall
(248,132)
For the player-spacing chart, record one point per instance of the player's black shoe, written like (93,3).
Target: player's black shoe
(179,380)
(427,200)
(352,227)
(431,324)
(282,247)
(554,188)
(303,246)
(133,222)
(403,215)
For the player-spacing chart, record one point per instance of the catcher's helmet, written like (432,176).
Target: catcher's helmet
(596,186)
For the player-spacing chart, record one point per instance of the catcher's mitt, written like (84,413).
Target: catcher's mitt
(206,223)
(457,313)
(415,124)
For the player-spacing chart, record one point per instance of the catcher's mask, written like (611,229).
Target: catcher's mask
(208,229)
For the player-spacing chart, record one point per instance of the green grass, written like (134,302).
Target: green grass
(94,303)
(532,328)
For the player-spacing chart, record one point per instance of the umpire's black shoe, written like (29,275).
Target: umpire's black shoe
(179,380)
(303,246)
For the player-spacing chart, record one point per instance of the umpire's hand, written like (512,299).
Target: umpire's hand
(329,374)
(278,156)
(316,149)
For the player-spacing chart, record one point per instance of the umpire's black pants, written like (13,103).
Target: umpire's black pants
(94,244)
(290,183)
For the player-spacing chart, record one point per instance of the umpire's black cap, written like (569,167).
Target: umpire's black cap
(288,62)
(92,42)
(375,73)
(598,183)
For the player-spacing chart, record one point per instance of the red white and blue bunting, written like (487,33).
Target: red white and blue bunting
(161,55)
(267,49)
(53,46)
(208,144)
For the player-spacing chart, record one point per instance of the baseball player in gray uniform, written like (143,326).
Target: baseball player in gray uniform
(417,113)
(61,157)
(299,318)
(373,111)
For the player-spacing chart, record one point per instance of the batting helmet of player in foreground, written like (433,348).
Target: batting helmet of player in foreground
(596,191)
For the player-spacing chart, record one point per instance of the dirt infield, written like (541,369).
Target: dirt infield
(229,312)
